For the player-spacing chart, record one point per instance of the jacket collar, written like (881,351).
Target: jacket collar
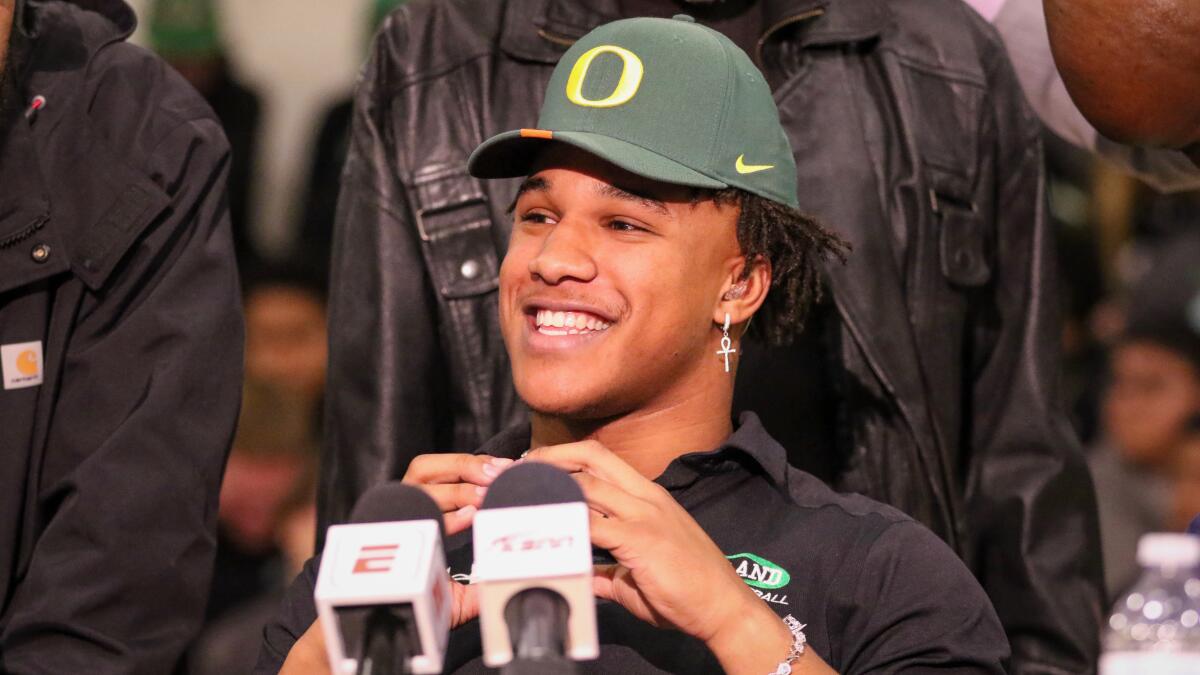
(118,13)
(91,225)
(540,30)
(749,440)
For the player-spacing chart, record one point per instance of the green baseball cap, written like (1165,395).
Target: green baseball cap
(667,99)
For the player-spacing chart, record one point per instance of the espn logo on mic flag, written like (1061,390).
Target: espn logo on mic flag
(368,553)
(397,563)
(376,558)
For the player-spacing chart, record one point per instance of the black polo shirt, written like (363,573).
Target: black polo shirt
(879,593)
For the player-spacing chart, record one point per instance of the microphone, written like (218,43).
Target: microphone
(382,592)
(533,571)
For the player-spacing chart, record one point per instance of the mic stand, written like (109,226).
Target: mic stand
(537,624)
(385,645)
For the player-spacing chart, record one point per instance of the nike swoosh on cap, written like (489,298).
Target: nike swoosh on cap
(742,167)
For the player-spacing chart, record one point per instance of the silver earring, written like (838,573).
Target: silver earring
(726,343)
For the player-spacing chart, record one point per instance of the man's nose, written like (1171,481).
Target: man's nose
(565,255)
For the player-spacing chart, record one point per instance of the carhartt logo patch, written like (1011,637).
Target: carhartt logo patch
(759,572)
(21,364)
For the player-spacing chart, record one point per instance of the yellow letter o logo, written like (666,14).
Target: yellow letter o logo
(627,86)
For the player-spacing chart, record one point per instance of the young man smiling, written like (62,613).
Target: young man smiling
(658,217)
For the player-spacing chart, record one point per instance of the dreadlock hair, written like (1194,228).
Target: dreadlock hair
(795,245)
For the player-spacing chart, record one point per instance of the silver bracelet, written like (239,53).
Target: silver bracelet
(798,642)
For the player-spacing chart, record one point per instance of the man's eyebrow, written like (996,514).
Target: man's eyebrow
(610,190)
(530,184)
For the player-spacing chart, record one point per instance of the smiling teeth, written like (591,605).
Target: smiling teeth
(575,323)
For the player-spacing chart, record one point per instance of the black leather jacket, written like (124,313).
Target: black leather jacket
(912,140)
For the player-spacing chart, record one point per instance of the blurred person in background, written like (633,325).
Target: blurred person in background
(186,33)
(268,480)
(273,456)
(329,156)
(928,382)
(1149,410)
(120,344)
(286,344)
(231,643)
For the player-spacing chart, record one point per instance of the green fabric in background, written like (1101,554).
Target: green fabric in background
(183,28)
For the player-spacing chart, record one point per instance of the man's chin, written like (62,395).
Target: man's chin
(570,411)
(574,406)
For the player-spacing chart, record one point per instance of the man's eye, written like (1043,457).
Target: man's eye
(622,226)
(534,217)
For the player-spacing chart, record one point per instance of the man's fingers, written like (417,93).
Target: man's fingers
(603,581)
(593,458)
(454,497)
(608,499)
(611,534)
(457,521)
(466,604)
(455,468)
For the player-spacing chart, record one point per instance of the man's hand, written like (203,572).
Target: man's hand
(652,538)
(464,605)
(457,482)
(307,656)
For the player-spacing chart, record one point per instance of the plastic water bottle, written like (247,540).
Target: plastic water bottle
(1155,628)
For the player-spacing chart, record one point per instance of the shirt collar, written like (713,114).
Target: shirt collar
(749,440)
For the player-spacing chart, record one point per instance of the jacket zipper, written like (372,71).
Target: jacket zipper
(23,234)
(781,24)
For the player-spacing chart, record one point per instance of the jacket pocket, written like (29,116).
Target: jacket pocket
(945,106)
(455,226)
(962,236)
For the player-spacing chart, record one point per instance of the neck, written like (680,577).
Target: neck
(694,417)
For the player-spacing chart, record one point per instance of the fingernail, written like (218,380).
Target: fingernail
(467,510)
(481,491)
(495,466)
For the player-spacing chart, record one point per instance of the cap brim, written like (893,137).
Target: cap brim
(511,154)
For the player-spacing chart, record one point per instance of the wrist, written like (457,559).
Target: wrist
(307,655)
(754,641)
(304,661)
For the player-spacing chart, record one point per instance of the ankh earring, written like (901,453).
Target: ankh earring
(726,343)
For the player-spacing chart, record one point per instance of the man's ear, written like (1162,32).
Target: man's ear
(744,290)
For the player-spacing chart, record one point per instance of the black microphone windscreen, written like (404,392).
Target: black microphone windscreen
(395,501)
(532,484)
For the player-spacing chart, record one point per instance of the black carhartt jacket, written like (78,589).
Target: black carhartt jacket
(116,265)
(912,140)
